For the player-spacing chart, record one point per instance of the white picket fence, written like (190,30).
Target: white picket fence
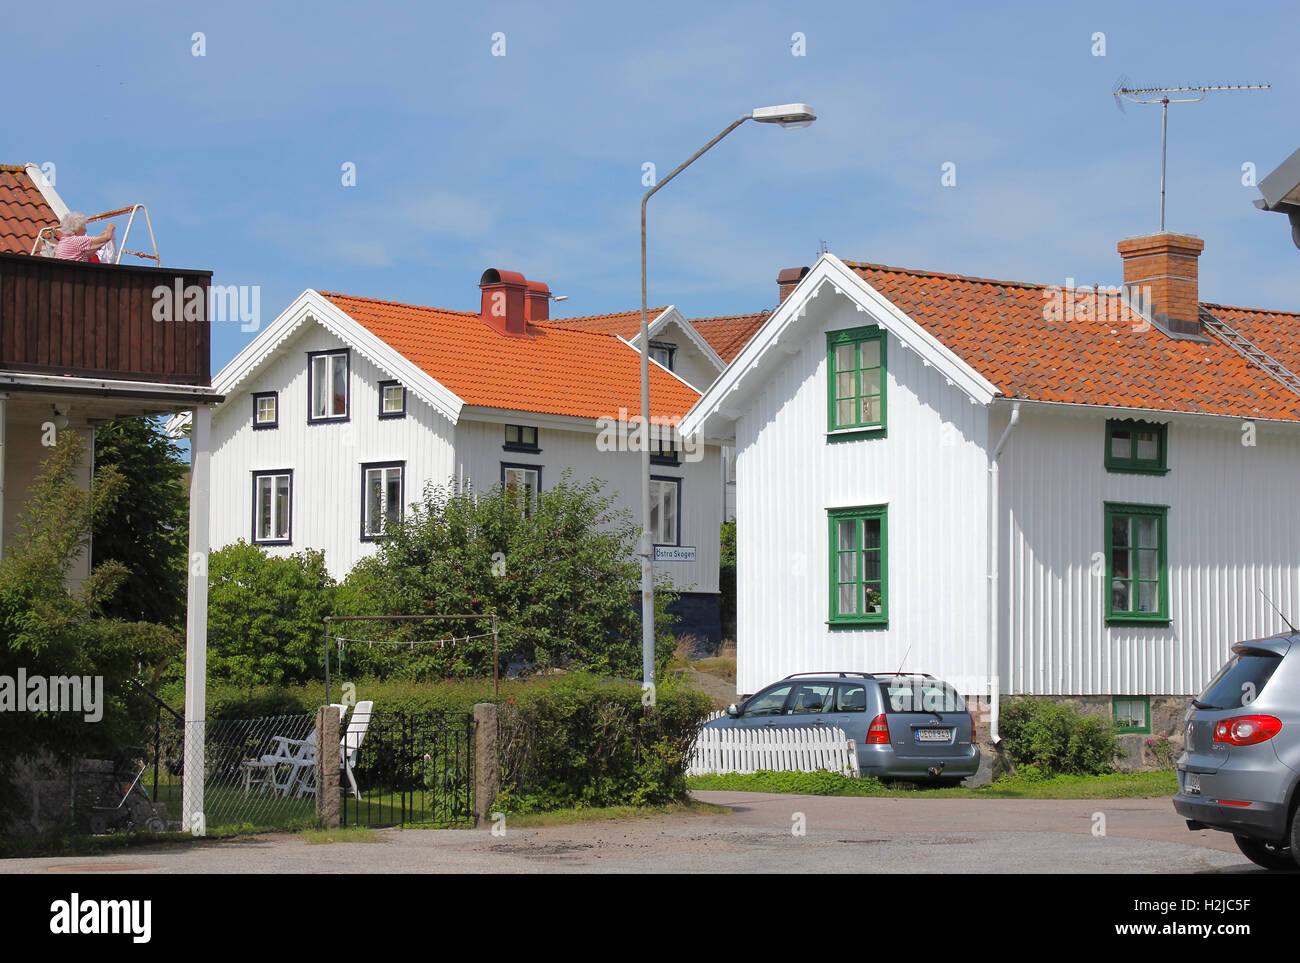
(718,751)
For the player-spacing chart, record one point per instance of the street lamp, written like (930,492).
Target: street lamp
(791,117)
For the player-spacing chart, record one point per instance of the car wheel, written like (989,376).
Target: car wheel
(1268,855)
(1295,837)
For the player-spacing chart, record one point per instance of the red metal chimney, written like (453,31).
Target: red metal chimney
(503,302)
(787,280)
(537,303)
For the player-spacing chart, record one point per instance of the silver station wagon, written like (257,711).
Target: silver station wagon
(1240,768)
(906,725)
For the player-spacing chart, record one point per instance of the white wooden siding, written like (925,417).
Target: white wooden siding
(931,470)
(326,458)
(480,455)
(689,362)
(1232,530)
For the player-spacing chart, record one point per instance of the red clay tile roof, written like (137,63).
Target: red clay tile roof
(23,211)
(625,324)
(727,335)
(558,371)
(1275,332)
(1001,330)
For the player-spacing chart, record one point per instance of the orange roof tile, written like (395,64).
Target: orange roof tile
(557,371)
(23,211)
(1000,328)
(727,335)
(625,324)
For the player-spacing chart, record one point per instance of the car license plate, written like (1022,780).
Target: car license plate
(934,735)
(1191,782)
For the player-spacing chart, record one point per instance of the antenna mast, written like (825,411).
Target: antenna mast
(1161,95)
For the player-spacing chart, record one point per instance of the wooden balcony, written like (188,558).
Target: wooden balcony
(98,321)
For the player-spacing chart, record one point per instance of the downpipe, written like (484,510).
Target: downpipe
(994,654)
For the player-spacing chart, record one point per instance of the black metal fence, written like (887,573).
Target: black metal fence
(412,769)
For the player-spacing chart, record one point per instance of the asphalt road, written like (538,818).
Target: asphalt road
(759,835)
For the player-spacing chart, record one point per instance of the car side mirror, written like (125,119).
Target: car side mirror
(732,710)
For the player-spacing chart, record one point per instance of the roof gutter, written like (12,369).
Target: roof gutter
(994,655)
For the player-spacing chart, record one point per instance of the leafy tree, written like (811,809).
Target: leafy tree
(727,578)
(148,529)
(265,615)
(561,576)
(51,627)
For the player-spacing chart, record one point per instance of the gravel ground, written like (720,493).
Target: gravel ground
(840,835)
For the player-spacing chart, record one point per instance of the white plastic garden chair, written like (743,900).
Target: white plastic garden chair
(290,754)
(304,769)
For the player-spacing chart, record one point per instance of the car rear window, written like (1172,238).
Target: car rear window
(1241,681)
(920,695)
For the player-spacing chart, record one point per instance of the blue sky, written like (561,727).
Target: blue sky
(532,161)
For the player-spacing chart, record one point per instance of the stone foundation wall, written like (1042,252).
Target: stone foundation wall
(1137,749)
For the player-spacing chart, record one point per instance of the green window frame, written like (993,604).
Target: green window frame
(859,565)
(856,372)
(1139,447)
(1125,717)
(1137,564)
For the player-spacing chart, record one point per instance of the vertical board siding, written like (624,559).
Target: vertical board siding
(97,320)
(479,454)
(1231,533)
(326,458)
(931,470)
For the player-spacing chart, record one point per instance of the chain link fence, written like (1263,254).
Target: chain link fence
(254,772)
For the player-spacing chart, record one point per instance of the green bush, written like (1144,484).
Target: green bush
(1056,739)
(265,615)
(586,741)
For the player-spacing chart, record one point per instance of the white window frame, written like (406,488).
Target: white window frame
(328,361)
(507,469)
(275,477)
(384,388)
(665,490)
(386,472)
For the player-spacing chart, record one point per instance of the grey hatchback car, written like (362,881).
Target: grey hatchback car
(905,725)
(1240,767)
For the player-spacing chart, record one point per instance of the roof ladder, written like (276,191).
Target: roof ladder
(1251,352)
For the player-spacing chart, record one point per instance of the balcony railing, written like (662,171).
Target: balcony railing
(104,320)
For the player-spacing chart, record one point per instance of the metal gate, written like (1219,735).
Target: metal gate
(412,769)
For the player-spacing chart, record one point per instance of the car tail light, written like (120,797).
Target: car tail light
(973,737)
(878,732)
(1247,730)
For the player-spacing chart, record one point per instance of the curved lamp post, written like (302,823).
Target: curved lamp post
(790,116)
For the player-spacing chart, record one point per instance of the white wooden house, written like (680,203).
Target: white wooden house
(340,413)
(1020,488)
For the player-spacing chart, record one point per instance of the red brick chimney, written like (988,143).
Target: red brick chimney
(504,296)
(1164,269)
(787,280)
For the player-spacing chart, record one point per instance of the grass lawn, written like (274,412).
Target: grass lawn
(1139,785)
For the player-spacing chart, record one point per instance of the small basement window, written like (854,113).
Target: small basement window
(1132,713)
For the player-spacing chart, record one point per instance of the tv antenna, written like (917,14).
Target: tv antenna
(1162,96)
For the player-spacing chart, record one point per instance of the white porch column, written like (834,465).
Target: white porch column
(196,625)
